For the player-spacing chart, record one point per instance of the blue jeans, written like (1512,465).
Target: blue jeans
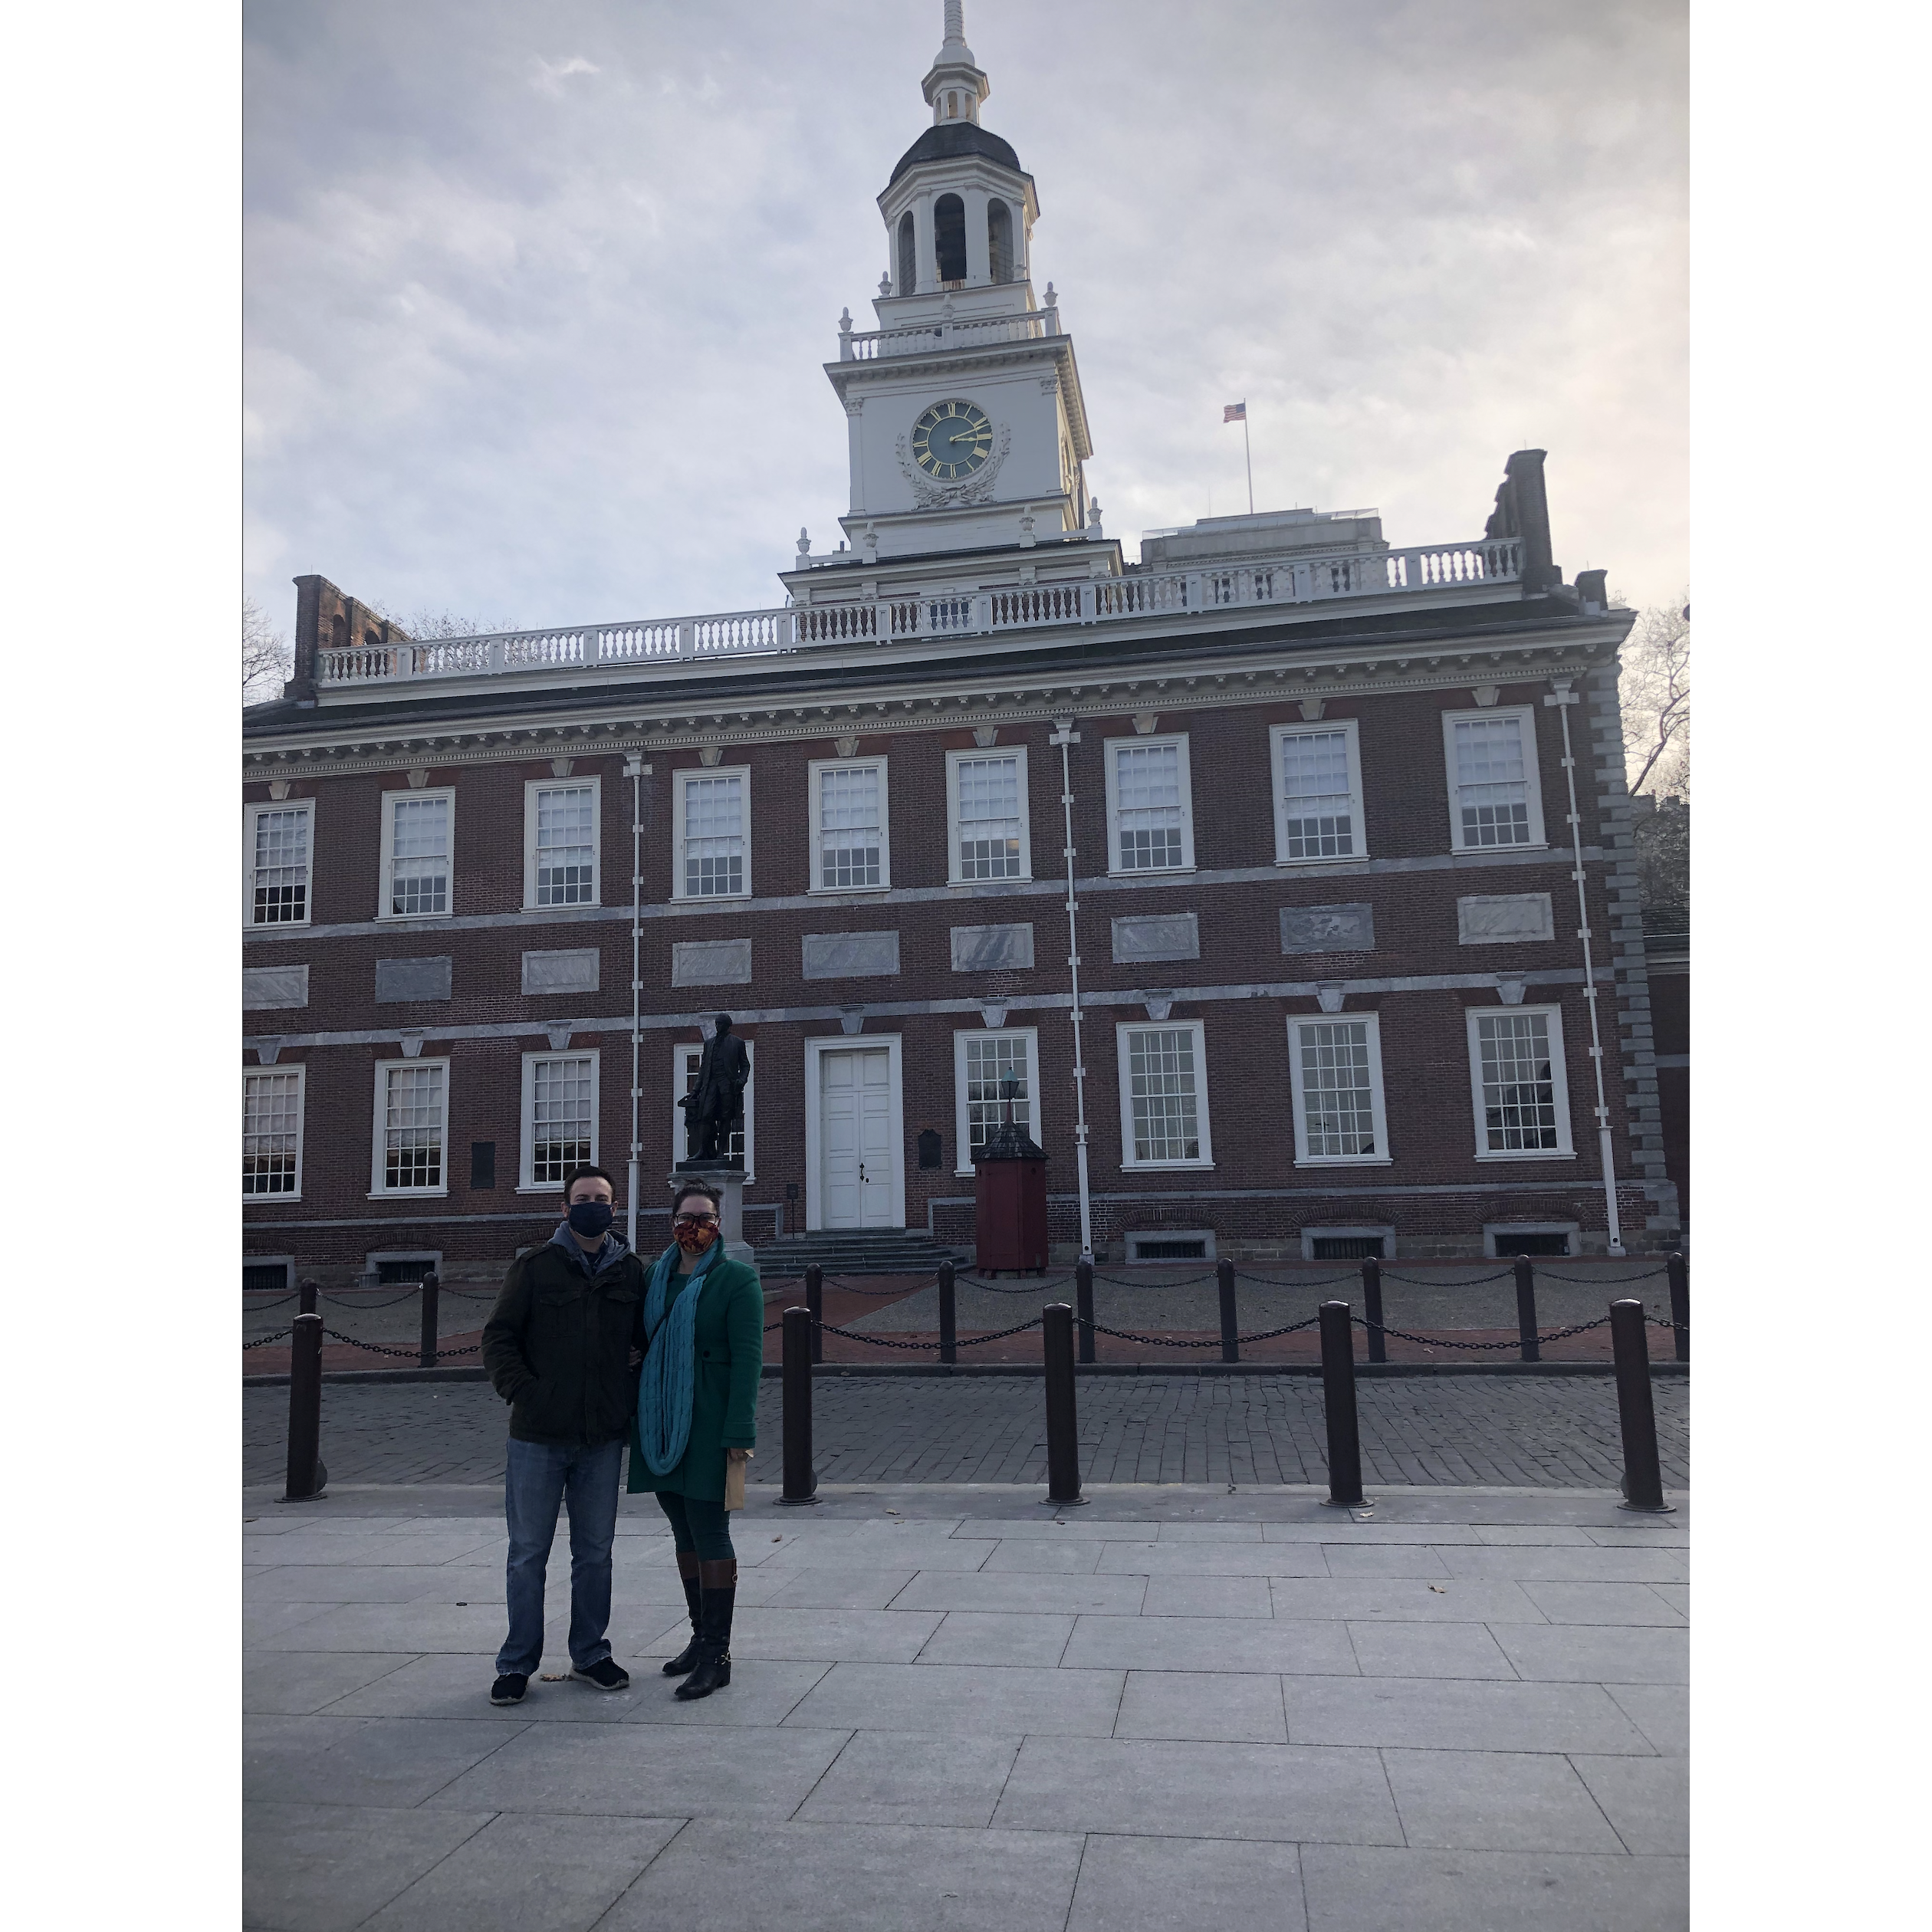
(540,1476)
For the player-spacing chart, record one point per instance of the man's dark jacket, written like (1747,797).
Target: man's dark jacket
(557,1344)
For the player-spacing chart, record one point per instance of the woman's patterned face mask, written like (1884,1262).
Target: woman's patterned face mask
(695,1233)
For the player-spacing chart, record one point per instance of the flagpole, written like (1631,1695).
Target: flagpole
(1249,454)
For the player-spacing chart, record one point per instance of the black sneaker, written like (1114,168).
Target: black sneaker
(608,1675)
(509,1688)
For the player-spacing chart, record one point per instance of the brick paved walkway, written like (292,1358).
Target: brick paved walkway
(1512,1430)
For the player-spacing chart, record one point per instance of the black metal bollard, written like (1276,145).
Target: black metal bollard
(305,1298)
(1643,1476)
(1224,1283)
(307,1476)
(1339,1407)
(1062,1421)
(432,1290)
(948,1316)
(1679,1270)
(1083,1307)
(1372,1308)
(1526,1288)
(801,1479)
(815,1305)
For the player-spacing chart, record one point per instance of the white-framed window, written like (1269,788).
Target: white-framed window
(1150,805)
(712,829)
(419,836)
(1336,1069)
(561,818)
(1515,1078)
(851,833)
(412,1133)
(1495,797)
(743,1145)
(272,1134)
(987,835)
(559,1118)
(982,1062)
(278,848)
(1317,792)
(1164,1095)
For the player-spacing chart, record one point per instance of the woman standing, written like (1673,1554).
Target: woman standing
(697,1409)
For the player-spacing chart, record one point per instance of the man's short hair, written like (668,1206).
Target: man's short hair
(587,1173)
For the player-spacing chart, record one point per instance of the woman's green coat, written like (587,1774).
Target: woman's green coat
(727,1351)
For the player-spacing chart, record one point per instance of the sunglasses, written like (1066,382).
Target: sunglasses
(694,1220)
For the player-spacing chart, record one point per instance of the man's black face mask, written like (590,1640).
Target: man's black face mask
(589,1217)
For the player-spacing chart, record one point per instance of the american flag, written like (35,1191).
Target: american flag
(1234,413)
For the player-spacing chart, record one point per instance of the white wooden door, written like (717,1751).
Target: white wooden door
(856,1137)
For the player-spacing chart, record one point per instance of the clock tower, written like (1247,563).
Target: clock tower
(966,427)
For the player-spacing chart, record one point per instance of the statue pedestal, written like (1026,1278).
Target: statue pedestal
(728,1178)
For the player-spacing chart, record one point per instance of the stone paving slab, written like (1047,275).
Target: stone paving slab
(879,1763)
(1557,1431)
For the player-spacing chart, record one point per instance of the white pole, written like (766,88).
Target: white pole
(1065,736)
(1564,698)
(634,770)
(1249,454)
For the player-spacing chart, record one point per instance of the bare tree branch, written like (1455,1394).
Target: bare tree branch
(1654,690)
(267,659)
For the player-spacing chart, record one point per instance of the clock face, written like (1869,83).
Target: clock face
(951,440)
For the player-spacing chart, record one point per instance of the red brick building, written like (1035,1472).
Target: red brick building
(1332,953)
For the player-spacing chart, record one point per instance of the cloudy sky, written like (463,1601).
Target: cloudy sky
(536,294)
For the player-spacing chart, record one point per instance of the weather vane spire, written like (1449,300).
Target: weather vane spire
(954,85)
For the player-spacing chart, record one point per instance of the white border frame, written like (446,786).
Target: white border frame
(1533,775)
(377,1190)
(526,1114)
(386,859)
(1115,869)
(679,780)
(594,785)
(1349,728)
(953,760)
(1377,1108)
(815,771)
(694,1049)
(962,1128)
(816,1047)
(1565,1150)
(1128,1165)
(300,1070)
(250,813)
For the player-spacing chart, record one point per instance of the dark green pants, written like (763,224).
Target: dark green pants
(697,1527)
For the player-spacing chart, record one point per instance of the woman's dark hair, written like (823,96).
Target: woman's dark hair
(688,1188)
(586,1172)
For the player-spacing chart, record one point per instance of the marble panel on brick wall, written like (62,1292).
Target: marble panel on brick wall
(850,956)
(985,949)
(1328,928)
(1504,920)
(274,986)
(411,979)
(561,972)
(711,962)
(1157,935)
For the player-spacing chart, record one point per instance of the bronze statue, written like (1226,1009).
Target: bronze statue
(714,1108)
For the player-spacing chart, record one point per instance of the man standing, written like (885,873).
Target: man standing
(714,1107)
(562,1347)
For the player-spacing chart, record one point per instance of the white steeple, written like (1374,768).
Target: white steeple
(955,86)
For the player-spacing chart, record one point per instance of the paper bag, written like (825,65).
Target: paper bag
(734,1482)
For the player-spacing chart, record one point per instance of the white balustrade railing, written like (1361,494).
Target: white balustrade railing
(1260,582)
(966,332)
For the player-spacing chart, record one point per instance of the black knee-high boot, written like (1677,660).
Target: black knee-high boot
(712,1672)
(687,1659)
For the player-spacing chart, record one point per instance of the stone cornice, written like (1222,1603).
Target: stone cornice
(1192,681)
(966,359)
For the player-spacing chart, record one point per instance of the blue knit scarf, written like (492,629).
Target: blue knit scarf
(664,1393)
